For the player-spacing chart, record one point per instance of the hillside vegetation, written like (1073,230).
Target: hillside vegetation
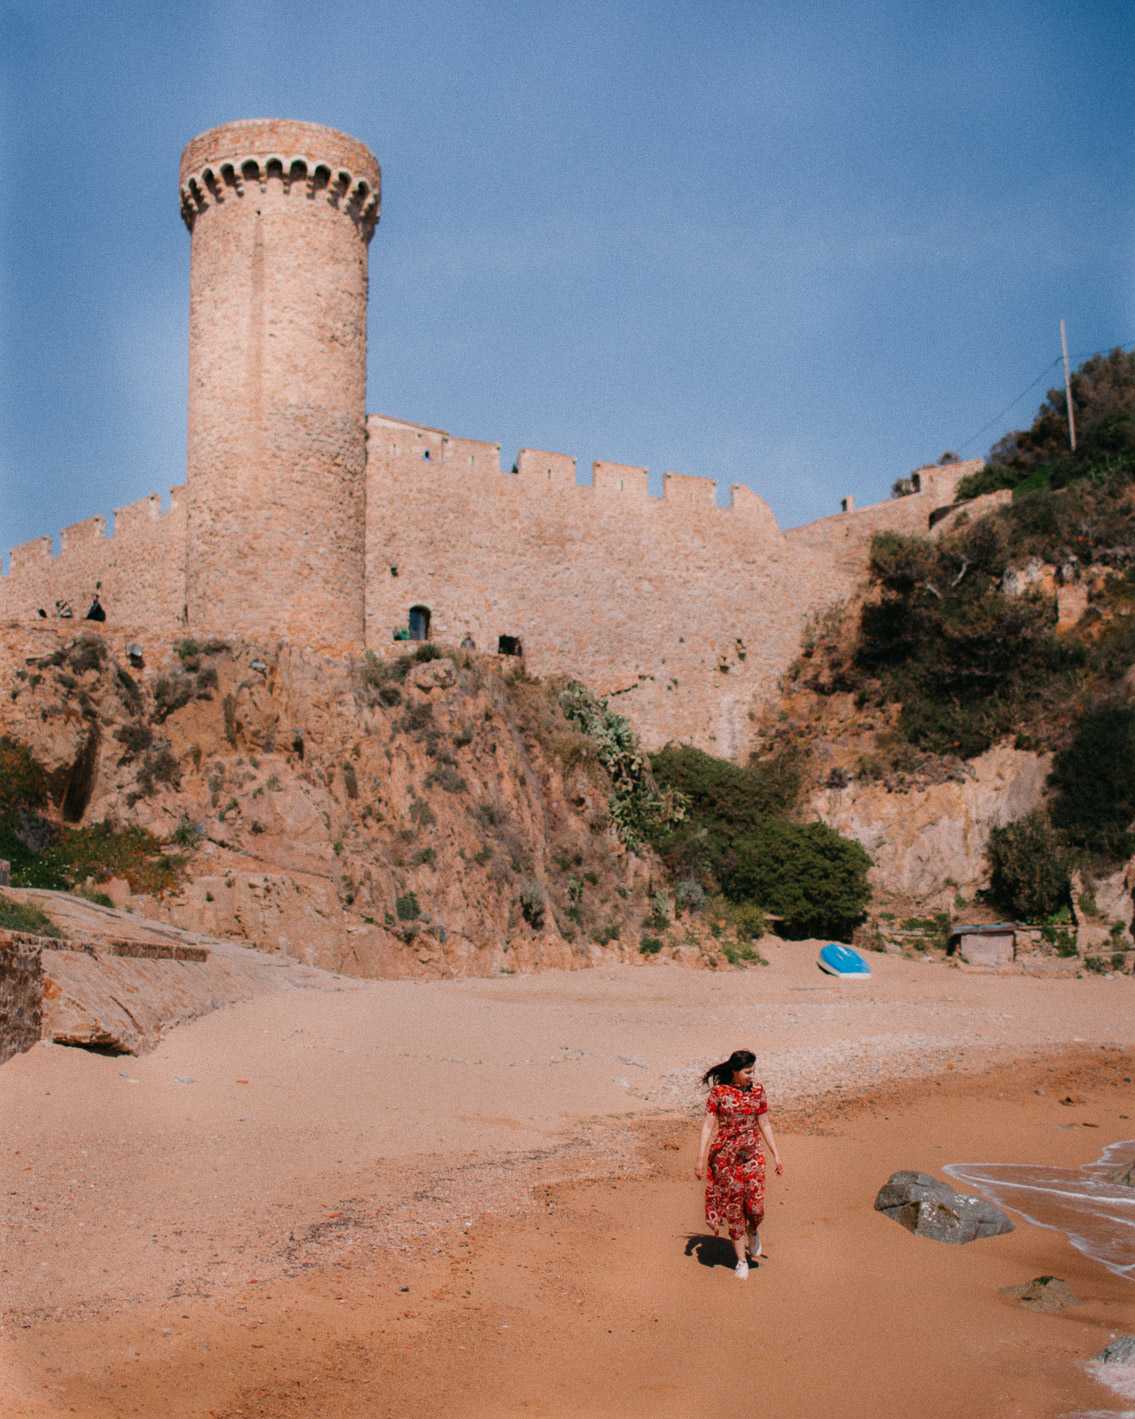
(958,643)
(422,813)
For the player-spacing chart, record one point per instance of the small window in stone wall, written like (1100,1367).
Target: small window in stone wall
(419,623)
(509,645)
(426,455)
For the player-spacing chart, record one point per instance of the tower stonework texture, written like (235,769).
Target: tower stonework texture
(281,214)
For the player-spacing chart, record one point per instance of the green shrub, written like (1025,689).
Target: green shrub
(650,945)
(407,907)
(428,651)
(171,693)
(965,661)
(134,738)
(723,797)
(1030,867)
(748,921)
(97,898)
(742,953)
(990,479)
(689,896)
(186,834)
(1095,782)
(805,873)
(24,916)
(533,902)
(659,917)
(639,809)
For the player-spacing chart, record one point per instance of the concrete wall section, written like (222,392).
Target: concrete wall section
(141,567)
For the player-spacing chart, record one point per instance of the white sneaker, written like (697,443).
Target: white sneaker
(741,1270)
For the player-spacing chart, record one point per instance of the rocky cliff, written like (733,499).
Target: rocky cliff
(406,816)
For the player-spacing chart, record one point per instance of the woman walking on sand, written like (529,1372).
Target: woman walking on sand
(735,1180)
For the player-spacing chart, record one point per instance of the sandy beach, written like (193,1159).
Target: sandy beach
(475,1198)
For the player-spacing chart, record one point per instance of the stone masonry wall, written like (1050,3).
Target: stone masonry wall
(685,613)
(141,567)
(21,992)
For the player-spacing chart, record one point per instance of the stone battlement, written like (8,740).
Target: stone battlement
(141,566)
(224,163)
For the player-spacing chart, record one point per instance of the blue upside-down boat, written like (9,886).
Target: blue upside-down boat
(844,962)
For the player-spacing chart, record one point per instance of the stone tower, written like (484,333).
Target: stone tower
(281,214)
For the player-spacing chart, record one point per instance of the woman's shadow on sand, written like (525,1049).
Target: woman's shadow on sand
(710,1250)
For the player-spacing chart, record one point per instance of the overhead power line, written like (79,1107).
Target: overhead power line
(1127,344)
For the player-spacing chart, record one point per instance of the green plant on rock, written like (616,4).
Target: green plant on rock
(407,907)
(638,807)
(533,902)
(25,916)
(689,896)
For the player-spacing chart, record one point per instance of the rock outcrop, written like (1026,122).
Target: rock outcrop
(928,844)
(399,816)
(930,1208)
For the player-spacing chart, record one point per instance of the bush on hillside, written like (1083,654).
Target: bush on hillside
(1030,868)
(942,639)
(1095,782)
(805,873)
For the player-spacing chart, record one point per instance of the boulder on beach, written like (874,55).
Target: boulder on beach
(1043,1293)
(1121,1351)
(930,1208)
(1124,1175)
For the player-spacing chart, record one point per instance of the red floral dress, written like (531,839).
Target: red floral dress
(735,1179)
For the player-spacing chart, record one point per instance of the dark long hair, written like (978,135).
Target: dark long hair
(723,1073)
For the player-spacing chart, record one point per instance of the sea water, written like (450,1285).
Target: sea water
(1097,1217)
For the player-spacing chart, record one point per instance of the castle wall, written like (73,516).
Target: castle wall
(141,567)
(685,613)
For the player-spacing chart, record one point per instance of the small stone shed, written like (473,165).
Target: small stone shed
(985,945)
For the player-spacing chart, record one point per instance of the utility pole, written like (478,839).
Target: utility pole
(1068,390)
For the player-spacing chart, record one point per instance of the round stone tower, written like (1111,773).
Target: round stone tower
(281,214)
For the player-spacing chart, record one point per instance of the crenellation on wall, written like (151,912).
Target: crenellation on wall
(542,469)
(685,490)
(80,535)
(138,571)
(472,455)
(622,478)
(744,502)
(29,556)
(137,516)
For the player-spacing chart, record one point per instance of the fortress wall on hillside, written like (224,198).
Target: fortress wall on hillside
(685,613)
(842,543)
(141,567)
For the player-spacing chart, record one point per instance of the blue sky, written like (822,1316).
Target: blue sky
(804,246)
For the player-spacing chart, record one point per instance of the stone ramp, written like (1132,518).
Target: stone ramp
(116,983)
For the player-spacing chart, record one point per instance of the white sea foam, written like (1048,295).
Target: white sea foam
(1120,1379)
(1097,1216)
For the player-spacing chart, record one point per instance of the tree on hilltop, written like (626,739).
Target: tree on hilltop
(1103,402)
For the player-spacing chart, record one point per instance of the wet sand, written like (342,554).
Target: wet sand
(235,1248)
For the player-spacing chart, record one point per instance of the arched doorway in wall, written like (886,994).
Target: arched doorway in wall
(419,623)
